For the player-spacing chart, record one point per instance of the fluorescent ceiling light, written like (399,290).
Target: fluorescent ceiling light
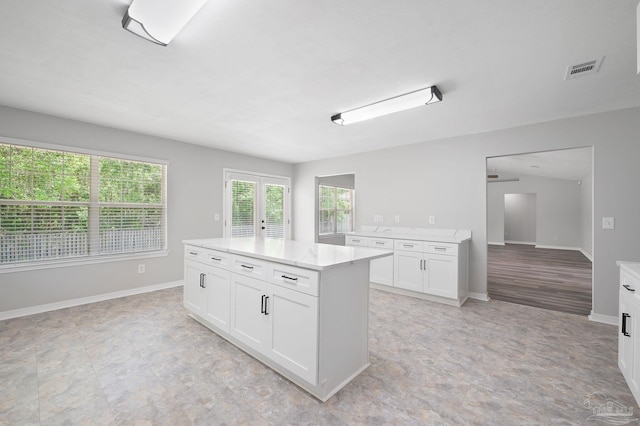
(159,20)
(426,96)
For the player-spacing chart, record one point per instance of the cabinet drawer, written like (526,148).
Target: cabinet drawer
(194,253)
(409,245)
(385,243)
(300,279)
(352,240)
(249,267)
(441,248)
(217,258)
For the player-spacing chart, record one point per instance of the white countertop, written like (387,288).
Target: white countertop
(455,236)
(290,252)
(632,268)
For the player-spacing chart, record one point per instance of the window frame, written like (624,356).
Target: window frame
(96,257)
(334,232)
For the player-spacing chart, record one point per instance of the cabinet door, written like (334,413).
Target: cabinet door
(292,339)
(195,296)
(625,343)
(248,319)
(408,270)
(381,271)
(441,275)
(633,328)
(218,287)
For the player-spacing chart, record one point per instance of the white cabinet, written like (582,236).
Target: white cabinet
(419,267)
(629,330)
(207,288)
(249,321)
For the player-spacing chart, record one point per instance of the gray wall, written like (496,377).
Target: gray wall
(519,217)
(558,213)
(195,191)
(447,179)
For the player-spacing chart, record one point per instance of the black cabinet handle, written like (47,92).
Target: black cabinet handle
(216,259)
(628,287)
(202,280)
(290,278)
(246,266)
(266,301)
(624,324)
(262,308)
(380,242)
(193,253)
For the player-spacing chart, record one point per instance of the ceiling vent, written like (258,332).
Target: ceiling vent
(586,68)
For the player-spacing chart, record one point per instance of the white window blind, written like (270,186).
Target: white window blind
(59,205)
(335,210)
(243,208)
(275,208)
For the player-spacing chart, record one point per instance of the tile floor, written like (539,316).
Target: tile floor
(141,360)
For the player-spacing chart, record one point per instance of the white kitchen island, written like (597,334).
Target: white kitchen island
(300,308)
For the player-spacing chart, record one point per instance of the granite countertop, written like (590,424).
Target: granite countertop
(296,253)
(455,236)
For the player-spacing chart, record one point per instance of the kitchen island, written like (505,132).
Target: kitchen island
(300,308)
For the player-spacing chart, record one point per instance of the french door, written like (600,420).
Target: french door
(257,205)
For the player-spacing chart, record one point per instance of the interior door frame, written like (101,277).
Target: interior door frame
(261,179)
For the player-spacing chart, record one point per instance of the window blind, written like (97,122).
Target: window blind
(243,212)
(56,204)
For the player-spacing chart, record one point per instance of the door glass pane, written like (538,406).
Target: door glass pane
(243,208)
(274,206)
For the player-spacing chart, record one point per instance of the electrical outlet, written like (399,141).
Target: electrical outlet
(381,218)
(608,223)
(216,216)
(432,220)
(141,268)
(376,218)
(397,219)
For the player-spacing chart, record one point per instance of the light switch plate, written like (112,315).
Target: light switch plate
(216,216)
(397,219)
(608,223)
(432,220)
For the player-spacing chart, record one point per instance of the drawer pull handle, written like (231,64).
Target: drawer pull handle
(624,324)
(408,245)
(217,259)
(441,248)
(380,243)
(628,287)
(290,278)
(246,266)
(355,241)
(193,253)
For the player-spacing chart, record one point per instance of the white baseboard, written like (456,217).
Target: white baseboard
(495,243)
(85,300)
(587,255)
(543,246)
(606,319)
(479,296)
(525,243)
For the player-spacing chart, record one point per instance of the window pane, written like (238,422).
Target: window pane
(243,202)
(30,232)
(325,222)
(124,230)
(133,182)
(274,227)
(327,197)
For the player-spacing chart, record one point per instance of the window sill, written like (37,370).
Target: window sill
(65,263)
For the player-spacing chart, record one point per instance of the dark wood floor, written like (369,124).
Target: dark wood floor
(559,280)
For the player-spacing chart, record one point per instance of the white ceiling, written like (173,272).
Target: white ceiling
(264,77)
(570,164)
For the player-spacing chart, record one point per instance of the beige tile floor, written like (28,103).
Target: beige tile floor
(141,360)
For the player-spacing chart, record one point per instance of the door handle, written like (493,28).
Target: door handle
(624,324)
(266,302)
(262,308)
(202,285)
(628,287)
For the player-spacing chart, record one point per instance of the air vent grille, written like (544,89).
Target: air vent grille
(585,68)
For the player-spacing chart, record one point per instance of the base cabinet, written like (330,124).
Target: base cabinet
(421,268)
(629,332)
(278,314)
(278,322)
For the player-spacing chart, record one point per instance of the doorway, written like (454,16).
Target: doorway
(540,229)
(256,205)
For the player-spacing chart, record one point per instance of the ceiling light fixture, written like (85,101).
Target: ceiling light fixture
(159,20)
(420,97)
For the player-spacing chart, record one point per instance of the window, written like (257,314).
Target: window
(256,206)
(56,204)
(335,210)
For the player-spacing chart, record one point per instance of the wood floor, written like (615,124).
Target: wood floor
(559,280)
